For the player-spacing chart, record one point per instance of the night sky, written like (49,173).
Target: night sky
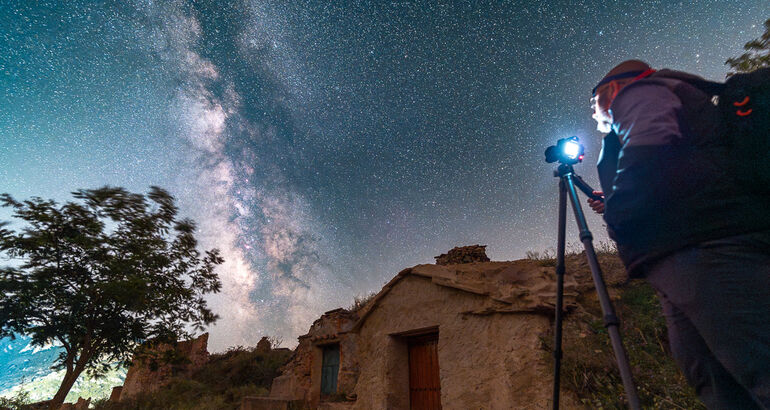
(323,146)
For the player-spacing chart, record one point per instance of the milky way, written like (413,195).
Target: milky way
(323,146)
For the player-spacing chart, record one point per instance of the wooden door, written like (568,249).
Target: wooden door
(424,382)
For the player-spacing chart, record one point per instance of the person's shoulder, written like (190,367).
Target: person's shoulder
(644,92)
(651,110)
(676,77)
(655,87)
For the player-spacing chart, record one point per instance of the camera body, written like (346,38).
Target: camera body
(566,151)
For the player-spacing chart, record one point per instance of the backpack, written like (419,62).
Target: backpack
(744,123)
(711,183)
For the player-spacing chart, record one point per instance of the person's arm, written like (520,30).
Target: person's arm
(647,121)
(606,167)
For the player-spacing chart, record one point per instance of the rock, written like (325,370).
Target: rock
(463,254)
(146,376)
(82,404)
(263,346)
(115,395)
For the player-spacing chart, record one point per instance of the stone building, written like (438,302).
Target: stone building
(452,336)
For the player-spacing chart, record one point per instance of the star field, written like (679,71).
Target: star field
(324,146)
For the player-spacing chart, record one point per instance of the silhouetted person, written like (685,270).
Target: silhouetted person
(681,221)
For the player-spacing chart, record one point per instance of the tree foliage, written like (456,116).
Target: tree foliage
(757,54)
(101,275)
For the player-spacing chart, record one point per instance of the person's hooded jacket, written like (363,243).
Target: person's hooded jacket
(667,177)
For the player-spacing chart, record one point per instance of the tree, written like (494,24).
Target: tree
(757,54)
(102,275)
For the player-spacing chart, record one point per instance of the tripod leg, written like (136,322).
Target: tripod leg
(557,353)
(611,321)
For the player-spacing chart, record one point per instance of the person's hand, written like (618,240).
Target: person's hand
(596,205)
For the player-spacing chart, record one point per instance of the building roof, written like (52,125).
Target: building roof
(511,287)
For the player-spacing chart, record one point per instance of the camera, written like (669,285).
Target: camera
(566,151)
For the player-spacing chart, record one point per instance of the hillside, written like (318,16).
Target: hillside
(588,367)
(589,372)
(219,384)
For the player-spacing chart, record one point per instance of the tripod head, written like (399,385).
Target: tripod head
(568,152)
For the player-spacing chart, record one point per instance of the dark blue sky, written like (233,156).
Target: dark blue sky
(324,146)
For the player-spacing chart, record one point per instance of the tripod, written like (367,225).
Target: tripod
(567,182)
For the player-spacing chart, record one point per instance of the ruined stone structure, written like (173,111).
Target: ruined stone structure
(467,336)
(463,254)
(301,378)
(142,377)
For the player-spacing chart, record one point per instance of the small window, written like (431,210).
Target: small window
(330,367)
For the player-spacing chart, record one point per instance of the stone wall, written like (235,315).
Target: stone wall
(489,361)
(463,254)
(300,378)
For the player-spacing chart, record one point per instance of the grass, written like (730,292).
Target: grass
(545,258)
(548,256)
(360,301)
(220,384)
(588,367)
(17,401)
